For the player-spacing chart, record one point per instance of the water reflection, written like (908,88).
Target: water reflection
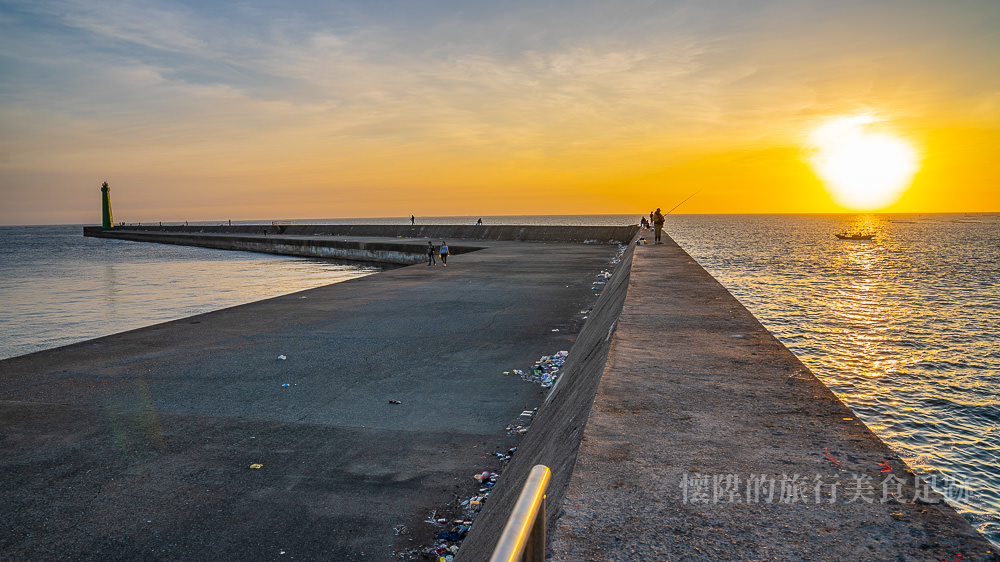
(59,287)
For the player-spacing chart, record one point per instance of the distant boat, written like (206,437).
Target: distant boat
(846,236)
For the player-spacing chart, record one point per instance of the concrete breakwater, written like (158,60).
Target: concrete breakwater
(371,243)
(140,444)
(682,430)
(497,233)
(191,439)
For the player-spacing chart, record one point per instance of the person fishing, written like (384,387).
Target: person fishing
(658,221)
(657,217)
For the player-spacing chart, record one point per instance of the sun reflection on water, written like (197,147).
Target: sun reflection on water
(861,311)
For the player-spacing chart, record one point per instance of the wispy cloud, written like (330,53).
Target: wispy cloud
(514,79)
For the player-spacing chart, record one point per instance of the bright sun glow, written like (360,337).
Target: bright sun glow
(863,166)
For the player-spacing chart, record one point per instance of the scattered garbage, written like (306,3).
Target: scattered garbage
(255,466)
(504,457)
(617,259)
(545,370)
(395,402)
(516,429)
(453,530)
(286,385)
(282,357)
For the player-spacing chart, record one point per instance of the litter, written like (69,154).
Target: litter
(545,371)
(830,457)
(470,506)
(282,357)
(256,466)
(395,402)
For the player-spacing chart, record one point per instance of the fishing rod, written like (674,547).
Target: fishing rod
(682,202)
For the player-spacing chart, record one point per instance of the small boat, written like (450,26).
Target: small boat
(856,236)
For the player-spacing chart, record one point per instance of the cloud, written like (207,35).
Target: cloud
(549,84)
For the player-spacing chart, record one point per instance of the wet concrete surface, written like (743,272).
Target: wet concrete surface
(140,445)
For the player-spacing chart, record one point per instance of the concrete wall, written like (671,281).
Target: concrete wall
(386,252)
(317,241)
(554,436)
(599,234)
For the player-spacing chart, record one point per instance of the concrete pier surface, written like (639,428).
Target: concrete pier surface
(140,445)
(679,429)
(709,440)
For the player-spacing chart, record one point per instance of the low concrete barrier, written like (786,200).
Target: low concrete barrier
(393,244)
(597,234)
(400,253)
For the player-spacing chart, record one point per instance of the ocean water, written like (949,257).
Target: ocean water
(902,328)
(59,288)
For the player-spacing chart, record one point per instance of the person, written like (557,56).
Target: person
(658,224)
(413,220)
(479,222)
(644,223)
(444,253)
(430,253)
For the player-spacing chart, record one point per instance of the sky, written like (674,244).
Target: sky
(253,110)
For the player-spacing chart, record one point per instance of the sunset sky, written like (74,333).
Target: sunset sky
(197,110)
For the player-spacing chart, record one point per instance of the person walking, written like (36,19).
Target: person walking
(413,220)
(443,251)
(658,221)
(430,254)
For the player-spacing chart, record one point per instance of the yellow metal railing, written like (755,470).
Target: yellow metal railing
(524,536)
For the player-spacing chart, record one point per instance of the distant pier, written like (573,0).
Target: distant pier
(193,439)
(397,244)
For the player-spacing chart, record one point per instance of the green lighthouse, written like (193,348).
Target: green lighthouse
(108,222)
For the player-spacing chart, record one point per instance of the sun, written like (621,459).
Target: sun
(863,165)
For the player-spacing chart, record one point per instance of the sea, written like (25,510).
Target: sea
(903,327)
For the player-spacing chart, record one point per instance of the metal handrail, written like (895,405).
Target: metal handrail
(524,536)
